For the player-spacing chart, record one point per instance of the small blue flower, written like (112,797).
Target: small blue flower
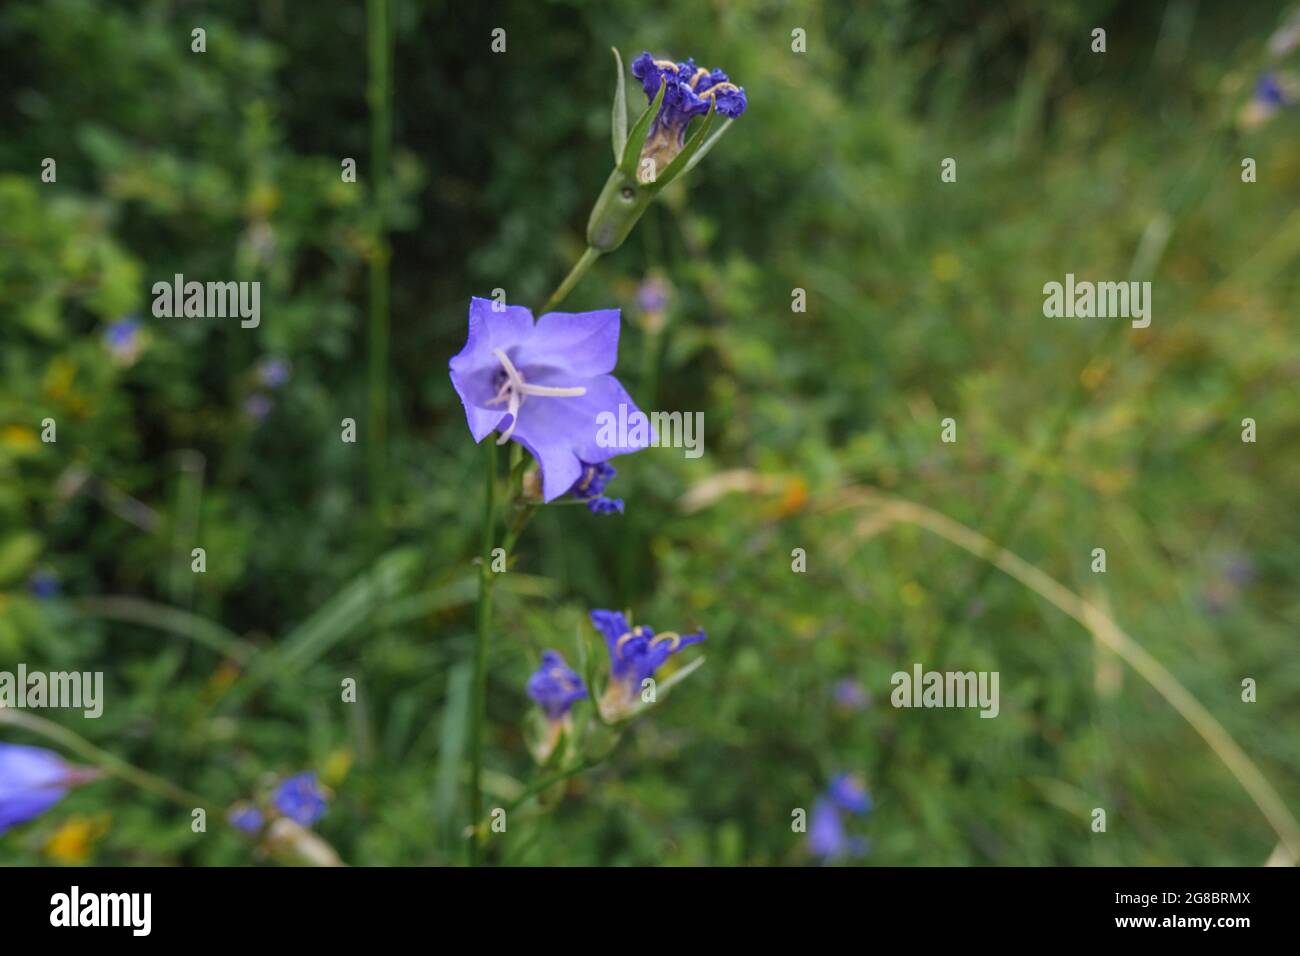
(635,653)
(544,384)
(688,93)
(555,686)
(258,406)
(44,584)
(245,817)
(851,695)
(123,340)
(652,294)
(827,838)
(31,781)
(301,799)
(849,794)
(591,485)
(273,372)
(1269,91)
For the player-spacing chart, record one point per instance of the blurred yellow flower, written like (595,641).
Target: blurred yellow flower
(73,842)
(794,498)
(336,767)
(58,386)
(945,267)
(1094,373)
(18,437)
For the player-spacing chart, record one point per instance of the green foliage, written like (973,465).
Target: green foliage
(923,302)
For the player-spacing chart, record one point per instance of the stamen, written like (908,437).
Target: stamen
(674,638)
(719,88)
(699,72)
(635,632)
(516,389)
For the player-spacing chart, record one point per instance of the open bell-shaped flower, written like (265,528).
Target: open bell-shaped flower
(544,384)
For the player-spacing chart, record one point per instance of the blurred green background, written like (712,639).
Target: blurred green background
(328,560)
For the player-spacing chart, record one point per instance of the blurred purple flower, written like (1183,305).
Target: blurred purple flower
(301,799)
(1232,572)
(555,686)
(827,838)
(652,294)
(44,584)
(545,384)
(1238,568)
(32,780)
(124,340)
(245,817)
(850,694)
(850,794)
(273,372)
(1269,91)
(258,406)
(591,486)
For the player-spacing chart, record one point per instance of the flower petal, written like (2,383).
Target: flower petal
(473,368)
(551,447)
(589,423)
(612,624)
(583,344)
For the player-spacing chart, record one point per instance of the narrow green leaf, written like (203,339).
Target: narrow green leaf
(451,750)
(677,677)
(342,616)
(618,116)
(708,145)
(640,132)
(172,620)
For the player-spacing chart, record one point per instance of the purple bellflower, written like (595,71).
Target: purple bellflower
(544,384)
(828,838)
(301,799)
(591,487)
(555,686)
(1273,92)
(32,780)
(851,695)
(849,794)
(124,340)
(689,92)
(44,584)
(273,372)
(246,818)
(635,653)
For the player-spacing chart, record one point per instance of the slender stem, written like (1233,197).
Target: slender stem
(478,703)
(1106,631)
(105,761)
(577,272)
(379,95)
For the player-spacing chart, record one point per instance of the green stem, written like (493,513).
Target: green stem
(379,95)
(577,272)
(105,761)
(478,700)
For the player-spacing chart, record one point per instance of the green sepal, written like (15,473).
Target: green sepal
(618,114)
(640,133)
(708,145)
